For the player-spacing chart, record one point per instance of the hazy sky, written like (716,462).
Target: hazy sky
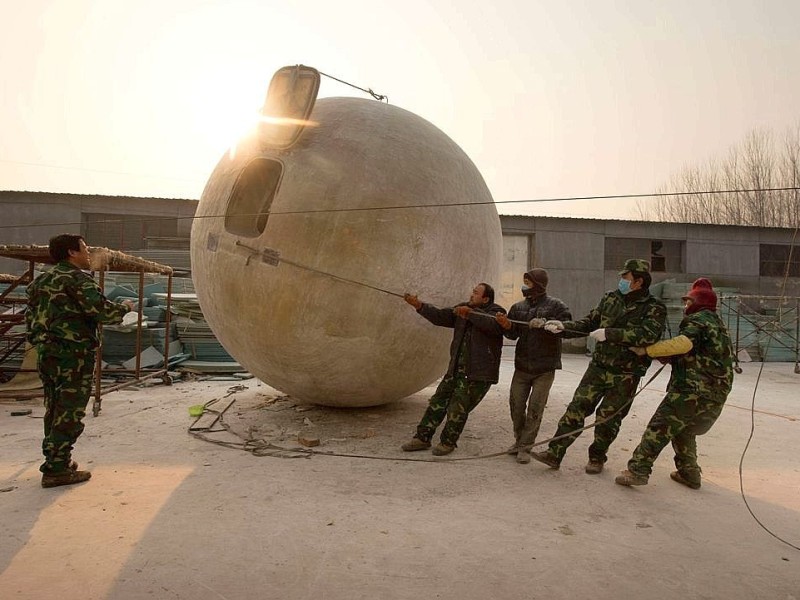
(549,99)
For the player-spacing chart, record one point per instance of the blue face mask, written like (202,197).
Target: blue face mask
(624,286)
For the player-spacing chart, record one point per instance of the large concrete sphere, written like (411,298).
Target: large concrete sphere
(320,339)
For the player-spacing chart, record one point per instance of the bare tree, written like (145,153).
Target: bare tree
(790,174)
(709,191)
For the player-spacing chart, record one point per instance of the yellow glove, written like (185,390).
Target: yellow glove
(678,345)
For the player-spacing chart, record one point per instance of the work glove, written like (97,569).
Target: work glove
(130,318)
(536,323)
(412,300)
(462,311)
(599,335)
(503,321)
(554,326)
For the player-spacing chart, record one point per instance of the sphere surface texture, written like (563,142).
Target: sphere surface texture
(288,247)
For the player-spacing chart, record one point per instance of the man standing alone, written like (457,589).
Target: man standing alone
(65,306)
(536,358)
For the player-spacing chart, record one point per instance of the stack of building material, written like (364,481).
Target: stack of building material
(119,344)
(199,342)
(183,305)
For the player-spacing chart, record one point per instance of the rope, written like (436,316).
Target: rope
(339,277)
(753,405)
(264,448)
(379,97)
(273,257)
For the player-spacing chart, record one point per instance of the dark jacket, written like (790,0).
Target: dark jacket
(482,334)
(537,350)
(635,319)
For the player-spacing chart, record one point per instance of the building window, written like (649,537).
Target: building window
(125,232)
(252,196)
(658,262)
(773,259)
(665,256)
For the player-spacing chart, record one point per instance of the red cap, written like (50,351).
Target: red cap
(702,296)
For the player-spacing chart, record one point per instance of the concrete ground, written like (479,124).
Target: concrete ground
(168,515)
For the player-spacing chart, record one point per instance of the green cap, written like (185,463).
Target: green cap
(635,264)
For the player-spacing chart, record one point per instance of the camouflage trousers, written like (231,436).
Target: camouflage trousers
(527,399)
(608,393)
(455,398)
(679,419)
(66,371)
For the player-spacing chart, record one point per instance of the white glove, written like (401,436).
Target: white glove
(536,323)
(131,318)
(599,335)
(554,326)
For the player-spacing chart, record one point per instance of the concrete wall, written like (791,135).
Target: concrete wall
(573,252)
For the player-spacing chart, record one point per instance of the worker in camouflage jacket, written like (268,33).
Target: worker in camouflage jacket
(65,306)
(475,353)
(702,375)
(628,316)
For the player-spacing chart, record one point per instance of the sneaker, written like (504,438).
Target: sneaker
(546,458)
(67,477)
(676,476)
(628,478)
(415,444)
(442,449)
(512,450)
(524,457)
(593,467)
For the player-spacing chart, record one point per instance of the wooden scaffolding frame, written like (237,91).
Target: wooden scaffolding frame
(103,260)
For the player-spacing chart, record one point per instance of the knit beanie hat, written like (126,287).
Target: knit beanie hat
(702,296)
(539,278)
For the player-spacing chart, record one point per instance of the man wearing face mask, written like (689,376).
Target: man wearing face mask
(702,376)
(474,366)
(536,358)
(628,316)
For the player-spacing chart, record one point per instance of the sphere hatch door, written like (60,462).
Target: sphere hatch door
(288,105)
